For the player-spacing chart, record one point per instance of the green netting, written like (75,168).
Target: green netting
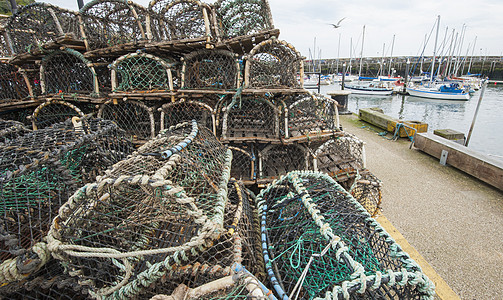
(319,242)
(141,72)
(240,18)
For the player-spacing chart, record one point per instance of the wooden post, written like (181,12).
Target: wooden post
(476,112)
(343,75)
(406,80)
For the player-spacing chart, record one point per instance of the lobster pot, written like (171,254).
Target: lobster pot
(251,118)
(140,72)
(67,71)
(312,115)
(50,282)
(14,84)
(210,69)
(134,117)
(240,18)
(38,23)
(148,214)
(316,234)
(5,50)
(367,190)
(277,160)
(179,20)
(52,112)
(183,111)
(32,72)
(107,23)
(243,163)
(273,64)
(340,157)
(22,115)
(241,284)
(10,130)
(239,244)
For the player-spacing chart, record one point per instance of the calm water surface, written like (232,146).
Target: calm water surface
(487,135)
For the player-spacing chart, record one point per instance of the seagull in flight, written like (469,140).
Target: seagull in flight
(338,23)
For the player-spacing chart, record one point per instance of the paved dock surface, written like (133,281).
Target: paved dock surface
(453,220)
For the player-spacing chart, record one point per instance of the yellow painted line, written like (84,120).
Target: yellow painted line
(443,290)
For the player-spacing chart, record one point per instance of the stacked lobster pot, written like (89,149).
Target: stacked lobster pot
(38,172)
(166,220)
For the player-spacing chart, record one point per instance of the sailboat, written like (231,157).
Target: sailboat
(373,87)
(438,90)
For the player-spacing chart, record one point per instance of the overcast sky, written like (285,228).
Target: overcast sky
(302,21)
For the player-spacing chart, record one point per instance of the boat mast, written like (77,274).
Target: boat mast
(391,56)
(350,54)
(381,66)
(361,54)
(451,58)
(471,57)
(338,54)
(435,51)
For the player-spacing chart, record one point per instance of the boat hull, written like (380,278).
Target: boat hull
(438,95)
(369,91)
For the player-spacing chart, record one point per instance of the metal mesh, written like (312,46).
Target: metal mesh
(277,160)
(147,215)
(10,130)
(319,242)
(112,22)
(183,111)
(311,116)
(240,18)
(134,117)
(340,157)
(273,64)
(33,26)
(251,117)
(177,20)
(52,112)
(210,69)
(141,72)
(13,83)
(66,71)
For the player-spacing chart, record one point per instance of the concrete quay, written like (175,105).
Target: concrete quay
(453,220)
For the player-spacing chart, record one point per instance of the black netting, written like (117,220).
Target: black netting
(183,111)
(136,118)
(244,162)
(14,84)
(67,71)
(52,112)
(113,22)
(210,69)
(10,130)
(177,20)
(277,160)
(273,64)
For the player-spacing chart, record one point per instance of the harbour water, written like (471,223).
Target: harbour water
(487,135)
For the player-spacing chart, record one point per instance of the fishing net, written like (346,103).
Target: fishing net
(187,110)
(147,215)
(273,64)
(22,115)
(277,159)
(33,26)
(312,116)
(141,72)
(366,189)
(340,157)
(136,118)
(52,112)
(240,285)
(10,130)
(5,51)
(243,163)
(14,84)
(179,20)
(319,242)
(238,244)
(210,69)
(240,18)
(50,282)
(251,117)
(32,72)
(67,71)
(107,23)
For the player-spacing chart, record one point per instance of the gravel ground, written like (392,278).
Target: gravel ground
(454,220)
